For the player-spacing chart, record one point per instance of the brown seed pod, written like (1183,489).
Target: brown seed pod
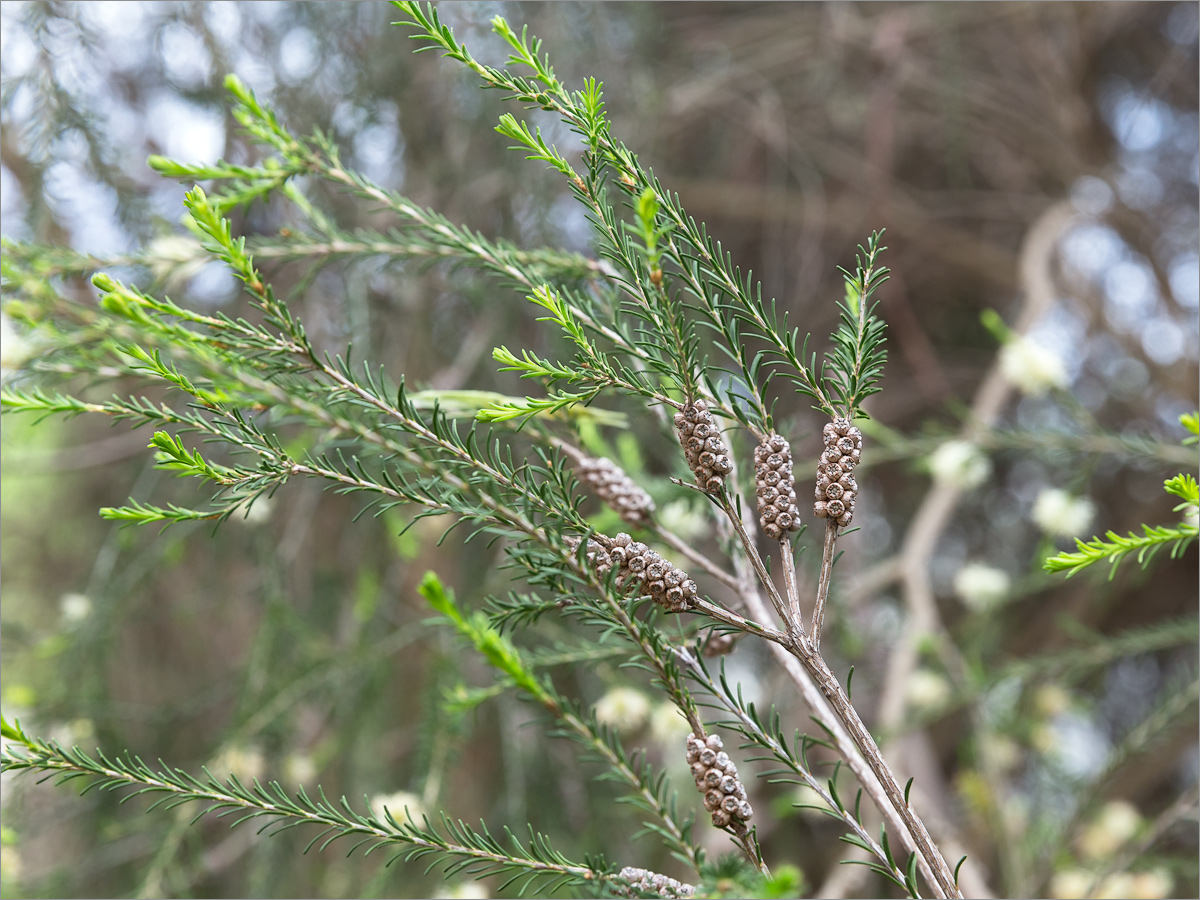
(774,487)
(638,567)
(836,488)
(705,450)
(717,781)
(618,490)
(644,881)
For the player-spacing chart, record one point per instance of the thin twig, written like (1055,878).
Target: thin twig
(675,542)
(755,560)
(827,551)
(786,554)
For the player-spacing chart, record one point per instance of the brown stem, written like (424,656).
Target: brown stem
(752,553)
(789,582)
(943,880)
(677,543)
(831,535)
(829,717)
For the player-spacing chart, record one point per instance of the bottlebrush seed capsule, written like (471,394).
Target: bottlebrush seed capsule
(836,488)
(706,453)
(610,483)
(775,487)
(638,567)
(644,881)
(717,781)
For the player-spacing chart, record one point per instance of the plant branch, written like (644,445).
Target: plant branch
(827,557)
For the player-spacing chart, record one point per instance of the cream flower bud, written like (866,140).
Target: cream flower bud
(623,709)
(462,890)
(245,762)
(1154,884)
(1116,823)
(667,724)
(400,804)
(959,464)
(75,608)
(980,586)
(1061,515)
(15,348)
(1032,369)
(927,690)
(1069,884)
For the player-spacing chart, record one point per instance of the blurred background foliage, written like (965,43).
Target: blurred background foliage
(1061,755)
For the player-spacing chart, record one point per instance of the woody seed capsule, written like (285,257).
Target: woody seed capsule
(618,490)
(639,567)
(706,453)
(644,881)
(717,780)
(773,484)
(836,488)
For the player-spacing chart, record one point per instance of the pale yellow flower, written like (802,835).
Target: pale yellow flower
(959,464)
(401,804)
(1070,884)
(462,890)
(1114,825)
(927,691)
(1062,515)
(980,586)
(74,608)
(299,768)
(246,763)
(623,709)
(1032,369)
(668,725)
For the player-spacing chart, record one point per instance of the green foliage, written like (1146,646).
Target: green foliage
(457,848)
(1114,547)
(726,302)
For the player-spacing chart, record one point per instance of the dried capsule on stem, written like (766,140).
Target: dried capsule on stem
(618,490)
(646,882)
(638,567)
(717,779)
(707,455)
(836,487)
(775,487)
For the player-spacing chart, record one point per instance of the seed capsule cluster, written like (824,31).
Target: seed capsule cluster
(617,489)
(707,455)
(639,567)
(717,779)
(597,557)
(776,490)
(647,882)
(836,487)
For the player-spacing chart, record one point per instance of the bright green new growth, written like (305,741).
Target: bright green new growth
(1114,547)
(730,306)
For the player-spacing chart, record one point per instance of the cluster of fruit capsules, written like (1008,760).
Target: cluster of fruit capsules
(717,779)
(637,566)
(777,510)
(646,882)
(617,489)
(836,487)
(597,557)
(707,455)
